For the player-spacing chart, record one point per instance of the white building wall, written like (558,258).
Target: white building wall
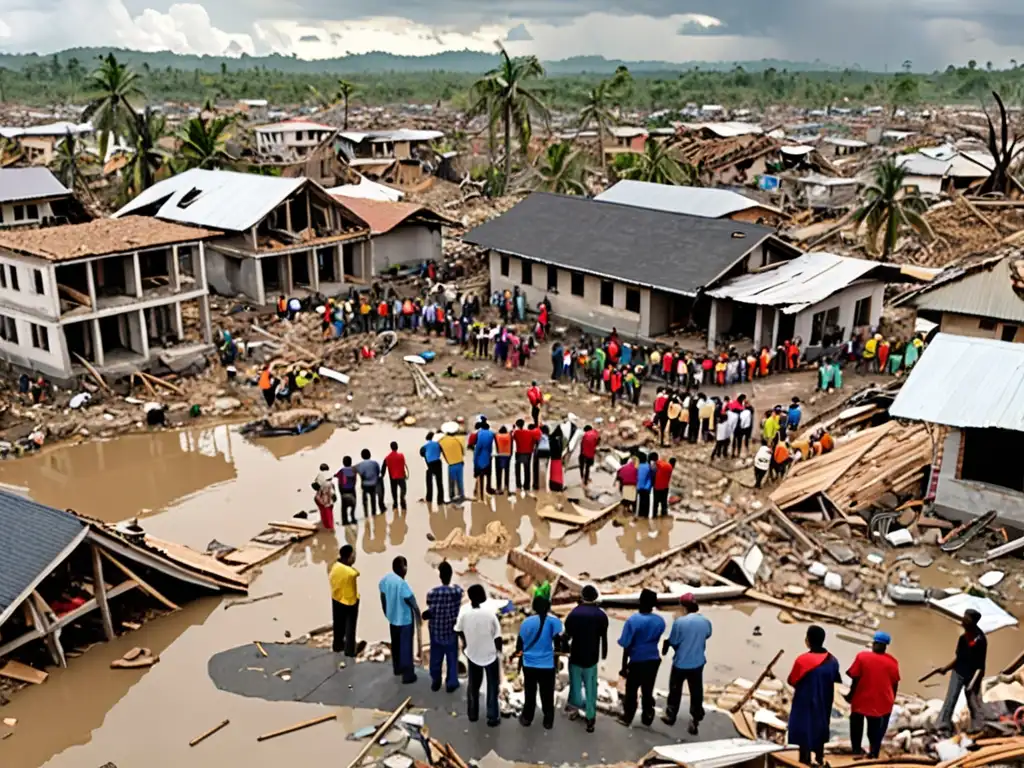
(7,219)
(405,245)
(26,297)
(846,300)
(965,499)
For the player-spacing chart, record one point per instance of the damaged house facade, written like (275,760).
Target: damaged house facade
(707,202)
(403,157)
(32,196)
(279,236)
(975,389)
(291,137)
(402,234)
(109,291)
(604,265)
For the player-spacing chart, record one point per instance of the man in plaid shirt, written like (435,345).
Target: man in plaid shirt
(443,603)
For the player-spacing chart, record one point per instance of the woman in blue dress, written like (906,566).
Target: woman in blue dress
(813,678)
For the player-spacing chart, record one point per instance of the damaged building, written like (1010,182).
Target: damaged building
(34,196)
(402,234)
(279,236)
(403,157)
(112,292)
(693,201)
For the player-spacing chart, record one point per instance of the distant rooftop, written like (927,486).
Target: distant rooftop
(29,184)
(694,201)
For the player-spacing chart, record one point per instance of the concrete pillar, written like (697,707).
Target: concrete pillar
(137,275)
(775,327)
(758,326)
(204,317)
(97,342)
(199,271)
(90,279)
(284,271)
(314,271)
(175,270)
(179,326)
(712,324)
(261,290)
(370,269)
(144,333)
(339,263)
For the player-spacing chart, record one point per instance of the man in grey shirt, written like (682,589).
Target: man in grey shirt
(369,473)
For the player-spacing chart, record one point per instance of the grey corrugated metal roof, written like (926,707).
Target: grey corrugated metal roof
(669,251)
(963,382)
(31,537)
(797,284)
(225,200)
(984,293)
(29,184)
(692,201)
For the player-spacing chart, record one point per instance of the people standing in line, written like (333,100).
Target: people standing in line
(347,489)
(626,479)
(480,632)
(644,486)
(535,397)
(875,677)
(640,658)
(344,580)
(688,638)
(537,641)
(586,631)
(369,473)
(762,463)
(966,670)
(525,440)
(398,603)
(431,453)
(395,466)
(323,487)
(443,603)
(813,679)
(541,452)
(503,460)
(482,443)
(723,437)
(662,471)
(556,469)
(454,453)
(781,460)
(588,452)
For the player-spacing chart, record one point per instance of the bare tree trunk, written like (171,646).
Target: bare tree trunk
(346,113)
(508,147)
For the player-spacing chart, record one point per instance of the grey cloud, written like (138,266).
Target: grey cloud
(309,39)
(518,33)
(696,28)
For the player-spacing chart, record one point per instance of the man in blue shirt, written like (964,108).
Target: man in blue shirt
(644,485)
(483,447)
(640,658)
(537,641)
(399,606)
(431,453)
(443,603)
(689,636)
(795,414)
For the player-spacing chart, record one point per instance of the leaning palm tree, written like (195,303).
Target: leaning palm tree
(345,91)
(561,169)
(69,160)
(598,106)
(111,110)
(887,208)
(505,94)
(204,142)
(147,157)
(656,165)
(342,96)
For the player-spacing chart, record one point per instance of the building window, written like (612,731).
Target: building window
(40,337)
(32,212)
(504,265)
(577,284)
(979,446)
(37,279)
(632,299)
(552,278)
(8,329)
(14,278)
(527,278)
(817,328)
(862,312)
(19,213)
(608,293)
(987,324)
(3,276)
(1009,333)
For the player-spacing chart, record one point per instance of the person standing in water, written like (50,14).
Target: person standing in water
(323,486)
(813,677)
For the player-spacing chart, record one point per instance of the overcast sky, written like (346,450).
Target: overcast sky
(872,33)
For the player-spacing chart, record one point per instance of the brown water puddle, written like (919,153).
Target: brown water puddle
(196,485)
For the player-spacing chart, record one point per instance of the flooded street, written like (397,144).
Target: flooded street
(194,486)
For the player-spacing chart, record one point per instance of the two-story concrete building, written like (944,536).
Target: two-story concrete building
(111,291)
(291,138)
(31,196)
(279,236)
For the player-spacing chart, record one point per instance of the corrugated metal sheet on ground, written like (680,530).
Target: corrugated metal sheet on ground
(29,184)
(217,199)
(985,293)
(797,284)
(694,201)
(965,382)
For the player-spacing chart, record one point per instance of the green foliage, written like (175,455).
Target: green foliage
(656,165)
(203,142)
(887,209)
(111,109)
(147,157)
(561,169)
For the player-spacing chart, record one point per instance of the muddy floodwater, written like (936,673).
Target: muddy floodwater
(193,486)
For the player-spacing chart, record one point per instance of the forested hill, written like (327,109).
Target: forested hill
(466,62)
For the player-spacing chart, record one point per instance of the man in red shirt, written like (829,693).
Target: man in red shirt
(876,677)
(536,397)
(588,452)
(662,479)
(626,480)
(524,440)
(394,465)
(661,413)
(666,366)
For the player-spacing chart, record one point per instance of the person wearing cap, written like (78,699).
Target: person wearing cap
(586,631)
(875,679)
(640,658)
(813,678)
(688,638)
(966,670)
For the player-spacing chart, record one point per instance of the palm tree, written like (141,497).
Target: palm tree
(657,165)
(504,93)
(68,161)
(117,85)
(203,142)
(561,169)
(888,208)
(343,94)
(598,108)
(147,156)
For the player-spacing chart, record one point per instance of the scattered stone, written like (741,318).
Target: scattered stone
(226,404)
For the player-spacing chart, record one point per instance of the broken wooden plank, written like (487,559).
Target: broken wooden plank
(760,679)
(794,530)
(209,733)
(94,373)
(383,729)
(542,570)
(296,727)
(144,586)
(23,673)
(260,648)
(251,600)
(761,597)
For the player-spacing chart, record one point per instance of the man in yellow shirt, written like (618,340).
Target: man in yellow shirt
(345,602)
(454,453)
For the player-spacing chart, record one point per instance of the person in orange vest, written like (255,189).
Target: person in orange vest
(535,397)
(439,320)
(615,384)
(751,365)
(282,307)
(765,362)
(503,459)
(793,356)
(382,316)
(364,314)
(268,386)
(780,460)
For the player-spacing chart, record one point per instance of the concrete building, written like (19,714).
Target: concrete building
(39,142)
(291,137)
(972,387)
(402,234)
(984,300)
(604,265)
(692,201)
(402,157)
(279,235)
(111,291)
(31,196)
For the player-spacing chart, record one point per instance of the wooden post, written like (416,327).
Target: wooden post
(38,607)
(142,584)
(101,593)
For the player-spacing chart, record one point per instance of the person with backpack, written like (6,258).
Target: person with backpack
(536,644)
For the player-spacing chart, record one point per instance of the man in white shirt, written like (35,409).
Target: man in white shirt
(762,461)
(741,438)
(723,435)
(480,633)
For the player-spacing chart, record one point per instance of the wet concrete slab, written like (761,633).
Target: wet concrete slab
(317,678)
